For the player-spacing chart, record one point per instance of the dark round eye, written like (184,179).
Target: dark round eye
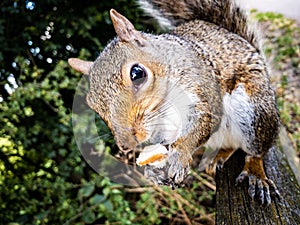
(138,75)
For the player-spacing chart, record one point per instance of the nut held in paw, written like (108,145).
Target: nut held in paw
(154,155)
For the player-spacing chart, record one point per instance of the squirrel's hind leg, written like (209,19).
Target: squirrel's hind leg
(259,184)
(219,160)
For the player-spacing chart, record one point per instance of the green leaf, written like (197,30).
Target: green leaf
(88,216)
(87,190)
(108,205)
(96,199)
(106,191)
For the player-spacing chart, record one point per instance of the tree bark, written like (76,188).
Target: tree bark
(234,205)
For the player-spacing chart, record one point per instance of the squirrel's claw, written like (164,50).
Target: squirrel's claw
(259,184)
(259,188)
(218,162)
(212,168)
(156,175)
(178,169)
(172,174)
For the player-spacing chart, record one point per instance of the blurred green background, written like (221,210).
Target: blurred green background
(43,177)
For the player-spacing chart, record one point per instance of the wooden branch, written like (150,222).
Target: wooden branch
(234,205)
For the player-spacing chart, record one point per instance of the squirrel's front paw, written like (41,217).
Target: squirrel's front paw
(172,174)
(259,184)
(156,175)
(178,167)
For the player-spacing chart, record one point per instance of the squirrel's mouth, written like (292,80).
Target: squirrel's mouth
(154,155)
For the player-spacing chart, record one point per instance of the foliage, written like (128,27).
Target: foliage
(282,46)
(43,177)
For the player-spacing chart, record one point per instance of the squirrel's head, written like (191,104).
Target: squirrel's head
(138,86)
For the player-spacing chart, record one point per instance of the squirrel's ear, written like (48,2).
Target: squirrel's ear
(80,65)
(124,28)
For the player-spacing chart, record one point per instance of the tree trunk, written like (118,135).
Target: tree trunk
(234,205)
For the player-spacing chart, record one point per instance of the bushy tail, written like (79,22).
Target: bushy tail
(224,13)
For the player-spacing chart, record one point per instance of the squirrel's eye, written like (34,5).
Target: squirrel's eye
(138,75)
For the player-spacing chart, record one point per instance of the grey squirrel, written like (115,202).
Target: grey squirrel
(203,82)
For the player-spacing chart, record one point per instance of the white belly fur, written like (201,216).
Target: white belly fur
(236,128)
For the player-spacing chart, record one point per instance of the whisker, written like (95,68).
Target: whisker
(106,137)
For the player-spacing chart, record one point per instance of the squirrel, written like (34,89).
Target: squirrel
(204,82)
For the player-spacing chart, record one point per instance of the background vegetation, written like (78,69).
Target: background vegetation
(43,177)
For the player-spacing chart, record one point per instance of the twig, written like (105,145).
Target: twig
(185,217)
(138,189)
(176,196)
(205,182)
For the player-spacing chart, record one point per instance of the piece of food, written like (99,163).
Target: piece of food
(154,155)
